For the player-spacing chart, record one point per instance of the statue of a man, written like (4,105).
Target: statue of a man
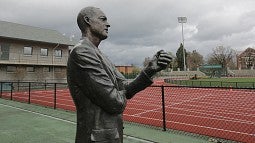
(98,89)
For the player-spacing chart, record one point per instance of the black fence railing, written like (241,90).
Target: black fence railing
(198,83)
(218,112)
(41,93)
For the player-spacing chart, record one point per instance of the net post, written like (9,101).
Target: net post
(163,107)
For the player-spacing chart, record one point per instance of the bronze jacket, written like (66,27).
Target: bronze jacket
(100,93)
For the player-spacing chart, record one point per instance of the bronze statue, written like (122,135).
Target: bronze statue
(98,89)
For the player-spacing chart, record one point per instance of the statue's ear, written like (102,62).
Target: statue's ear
(87,20)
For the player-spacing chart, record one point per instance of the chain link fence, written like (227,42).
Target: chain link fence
(224,113)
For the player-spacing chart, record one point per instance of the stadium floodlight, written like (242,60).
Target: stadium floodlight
(183,20)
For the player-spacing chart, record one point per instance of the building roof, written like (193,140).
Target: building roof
(248,51)
(25,32)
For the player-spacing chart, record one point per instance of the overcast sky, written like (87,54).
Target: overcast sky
(139,28)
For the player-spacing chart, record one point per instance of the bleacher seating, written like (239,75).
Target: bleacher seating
(242,73)
(182,74)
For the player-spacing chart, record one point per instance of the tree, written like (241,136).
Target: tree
(173,63)
(136,70)
(179,57)
(194,60)
(223,56)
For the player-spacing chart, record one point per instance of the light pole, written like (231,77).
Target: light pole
(183,20)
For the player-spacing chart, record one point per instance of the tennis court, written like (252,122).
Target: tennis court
(28,123)
(221,113)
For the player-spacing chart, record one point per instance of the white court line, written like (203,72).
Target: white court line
(215,117)
(71,122)
(138,139)
(138,114)
(222,105)
(219,109)
(44,101)
(213,128)
(66,105)
(212,113)
(38,114)
(139,102)
(146,118)
(42,96)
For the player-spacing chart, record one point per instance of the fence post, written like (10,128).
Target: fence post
(18,85)
(11,89)
(55,95)
(1,90)
(29,91)
(163,108)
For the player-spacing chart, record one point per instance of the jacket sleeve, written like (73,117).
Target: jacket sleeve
(95,82)
(139,83)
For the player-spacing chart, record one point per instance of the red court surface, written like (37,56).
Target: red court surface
(222,113)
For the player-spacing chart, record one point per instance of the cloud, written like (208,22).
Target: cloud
(140,28)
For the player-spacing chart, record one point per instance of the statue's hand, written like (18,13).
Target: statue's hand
(158,63)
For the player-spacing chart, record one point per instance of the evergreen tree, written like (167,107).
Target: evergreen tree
(179,57)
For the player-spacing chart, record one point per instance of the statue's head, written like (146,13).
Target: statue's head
(92,20)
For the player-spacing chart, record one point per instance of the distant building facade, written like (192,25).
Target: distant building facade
(125,69)
(246,59)
(32,54)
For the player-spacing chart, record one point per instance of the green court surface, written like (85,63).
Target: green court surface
(26,123)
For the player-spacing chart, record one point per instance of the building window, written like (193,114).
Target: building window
(28,50)
(11,68)
(30,69)
(44,52)
(58,53)
(4,51)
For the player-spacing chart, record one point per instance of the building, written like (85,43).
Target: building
(30,53)
(246,59)
(125,69)
(130,72)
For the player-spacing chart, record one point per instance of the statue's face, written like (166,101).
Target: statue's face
(99,25)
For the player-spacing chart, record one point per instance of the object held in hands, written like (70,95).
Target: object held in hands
(163,59)
(158,63)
